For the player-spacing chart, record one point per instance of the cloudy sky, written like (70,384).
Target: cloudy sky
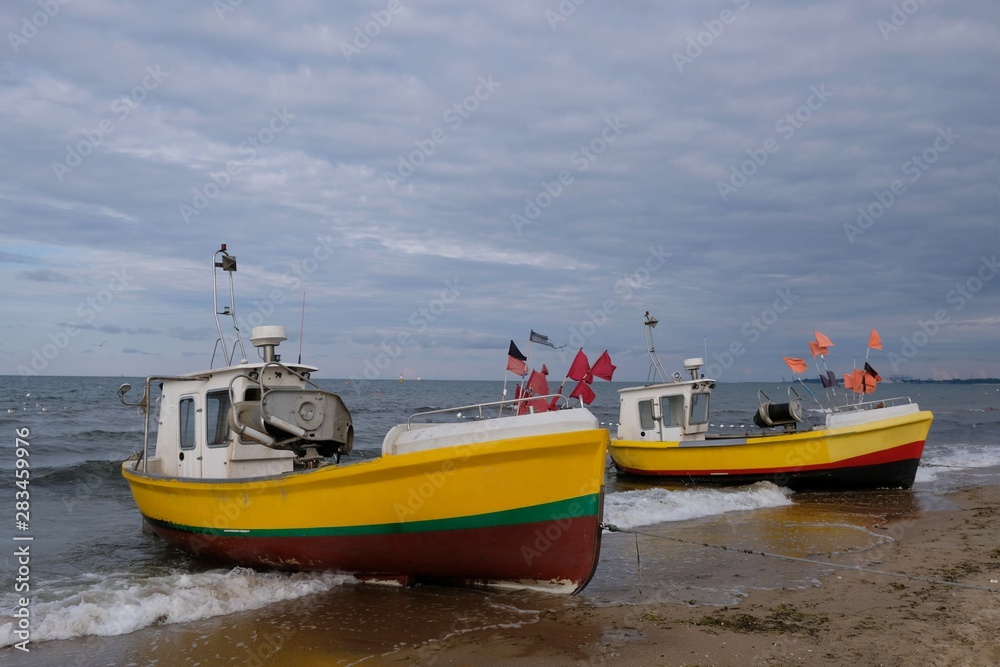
(439,177)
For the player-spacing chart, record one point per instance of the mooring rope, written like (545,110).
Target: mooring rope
(798,559)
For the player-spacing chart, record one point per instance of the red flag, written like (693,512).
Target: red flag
(603,367)
(797,365)
(537,384)
(822,340)
(516,360)
(874,340)
(517,394)
(536,405)
(583,391)
(545,370)
(517,366)
(579,368)
(816,349)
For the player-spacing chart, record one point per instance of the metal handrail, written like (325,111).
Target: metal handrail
(301,376)
(144,405)
(872,405)
(480,406)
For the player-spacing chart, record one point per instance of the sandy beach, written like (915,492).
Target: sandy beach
(931,597)
(927,596)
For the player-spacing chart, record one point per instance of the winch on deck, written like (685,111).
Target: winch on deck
(310,422)
(770,414)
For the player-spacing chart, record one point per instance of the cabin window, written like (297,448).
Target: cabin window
(673,410)
(699,408)
(187,421)
(646,421)
(217,418)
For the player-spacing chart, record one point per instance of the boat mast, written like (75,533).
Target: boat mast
(228,264)
(655,369)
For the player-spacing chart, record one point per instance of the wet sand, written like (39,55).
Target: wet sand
(930,597)
(917,585)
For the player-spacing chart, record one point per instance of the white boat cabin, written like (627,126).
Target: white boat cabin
(243,421)
(667,412)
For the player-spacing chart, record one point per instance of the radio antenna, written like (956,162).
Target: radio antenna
(302,325)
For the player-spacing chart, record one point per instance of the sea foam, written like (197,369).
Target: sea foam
(961,457)
(645,507)
(123,603)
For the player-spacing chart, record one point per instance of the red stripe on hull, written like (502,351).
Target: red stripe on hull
(892,467)
(548,551)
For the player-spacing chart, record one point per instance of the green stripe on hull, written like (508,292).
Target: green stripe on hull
(561,509)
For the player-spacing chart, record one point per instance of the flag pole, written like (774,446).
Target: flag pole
(527,355)
(827,370)
(862,394)
(804,386)
(865,385)
(503,396)
(826,391)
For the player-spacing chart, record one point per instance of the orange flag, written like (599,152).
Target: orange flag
(874,340)
(822,340)
(816,349)
(849,380)
(859,381)
(797,365)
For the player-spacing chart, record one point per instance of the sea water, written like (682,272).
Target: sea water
(92,571)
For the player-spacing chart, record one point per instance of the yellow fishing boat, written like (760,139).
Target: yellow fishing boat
(663,434)
(245,467)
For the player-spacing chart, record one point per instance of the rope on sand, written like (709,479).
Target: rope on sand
(798,559)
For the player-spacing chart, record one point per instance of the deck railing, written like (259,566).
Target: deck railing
(478,407)
(871,405)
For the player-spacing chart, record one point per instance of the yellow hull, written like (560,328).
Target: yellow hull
(483,513)
(879,453)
